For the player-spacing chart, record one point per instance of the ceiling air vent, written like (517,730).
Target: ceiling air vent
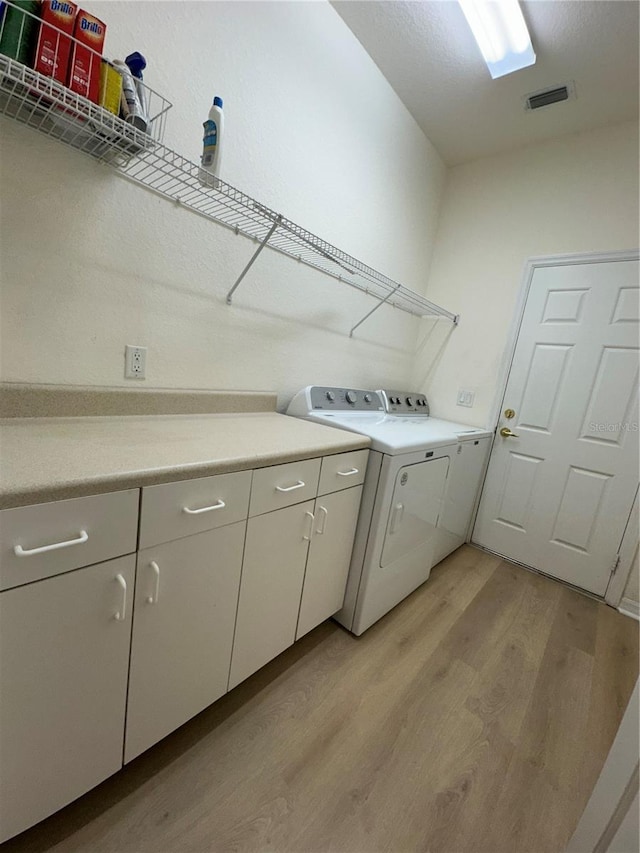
(537,100)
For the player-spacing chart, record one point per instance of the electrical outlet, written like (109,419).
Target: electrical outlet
(135,362)
(465,398)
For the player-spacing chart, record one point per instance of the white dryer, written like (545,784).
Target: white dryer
(398,538)
(466,471)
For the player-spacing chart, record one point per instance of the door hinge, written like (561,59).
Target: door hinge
(616,563)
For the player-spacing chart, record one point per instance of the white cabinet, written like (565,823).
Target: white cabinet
(184,615)
(47,539)
(272,577)
(342,470)
(174,510)
(92,674)
(325,579)
(64,658)
(294,576)
(279,486)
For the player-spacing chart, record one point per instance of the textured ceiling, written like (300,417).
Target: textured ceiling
(426,51)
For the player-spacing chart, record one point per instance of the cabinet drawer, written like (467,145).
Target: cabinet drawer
(283,485)
(174,510)
(342,471)
(47,539)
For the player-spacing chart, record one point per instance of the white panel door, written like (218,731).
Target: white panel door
(558,494)
(325,578)
(64,660)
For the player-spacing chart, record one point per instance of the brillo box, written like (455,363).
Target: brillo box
(84,68)
(53,47)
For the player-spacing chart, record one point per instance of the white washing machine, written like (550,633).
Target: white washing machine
(401,529)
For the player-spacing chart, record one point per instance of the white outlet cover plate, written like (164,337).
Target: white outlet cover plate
(465,398)
(135,362)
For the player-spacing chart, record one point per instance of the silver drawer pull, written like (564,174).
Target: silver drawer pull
(299,485)
(347,473)
(19,551)
(218,505)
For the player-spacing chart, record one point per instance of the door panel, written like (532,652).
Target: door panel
(563,306)
(543,386)
(520,480)
(612,402)
(584,489)
(626,307)
(558,494)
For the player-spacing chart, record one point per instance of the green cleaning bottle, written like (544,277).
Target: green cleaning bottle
(19,30)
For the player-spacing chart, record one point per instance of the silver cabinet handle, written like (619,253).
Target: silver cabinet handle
(121,614)
(19,551)
(320,530)
(153,599)
(347,473)
(299,485)
(309,533)
(219,505)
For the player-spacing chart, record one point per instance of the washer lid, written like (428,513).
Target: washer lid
(463,432)
(390,434)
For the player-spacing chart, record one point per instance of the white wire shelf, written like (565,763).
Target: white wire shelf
(45,105)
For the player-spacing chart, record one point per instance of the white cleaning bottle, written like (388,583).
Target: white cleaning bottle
(212,145)
(131,107)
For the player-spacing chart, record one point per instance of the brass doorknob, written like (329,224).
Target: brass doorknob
(505,432)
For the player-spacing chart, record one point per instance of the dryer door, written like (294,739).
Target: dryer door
(415,507)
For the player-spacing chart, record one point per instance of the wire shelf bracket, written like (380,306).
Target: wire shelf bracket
(373,310)
(253,258)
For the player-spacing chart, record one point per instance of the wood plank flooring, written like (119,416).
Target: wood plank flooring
(474,717)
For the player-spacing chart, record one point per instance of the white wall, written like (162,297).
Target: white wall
(91,262)
(574,194)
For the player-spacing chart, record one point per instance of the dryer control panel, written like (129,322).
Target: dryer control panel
(404,402)
(344,399)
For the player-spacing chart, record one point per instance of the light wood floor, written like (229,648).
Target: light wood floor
(474,717)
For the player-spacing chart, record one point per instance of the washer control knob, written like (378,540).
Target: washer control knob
(351,396)
(331,396)
(367,398)
(409,401)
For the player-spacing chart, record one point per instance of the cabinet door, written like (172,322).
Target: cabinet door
(64,656)
(185,608)
(272,576)
(325,579)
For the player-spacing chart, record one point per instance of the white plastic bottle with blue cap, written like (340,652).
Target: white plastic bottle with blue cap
(212,145)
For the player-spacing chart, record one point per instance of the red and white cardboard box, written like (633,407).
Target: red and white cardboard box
(84,68)
(53,47)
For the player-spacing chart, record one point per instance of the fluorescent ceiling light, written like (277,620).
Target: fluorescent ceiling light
(500,30)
